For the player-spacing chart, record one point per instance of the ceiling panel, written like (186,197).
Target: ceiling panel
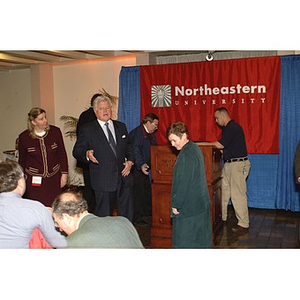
(11,60)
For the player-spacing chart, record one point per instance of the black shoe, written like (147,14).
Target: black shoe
(140,223)
(239,229)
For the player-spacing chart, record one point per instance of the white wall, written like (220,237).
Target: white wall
(15,103)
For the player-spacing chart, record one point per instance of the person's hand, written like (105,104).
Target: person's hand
(127,167)
(63,180)
(175,211)
(91,157)
(145,169)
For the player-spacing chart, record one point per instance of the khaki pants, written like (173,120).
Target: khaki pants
(234,187)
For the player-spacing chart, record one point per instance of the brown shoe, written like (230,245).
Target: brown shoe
(239,229)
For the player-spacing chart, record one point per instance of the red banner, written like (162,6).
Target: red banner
(190,92)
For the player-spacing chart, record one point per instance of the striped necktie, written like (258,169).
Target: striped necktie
(111,140)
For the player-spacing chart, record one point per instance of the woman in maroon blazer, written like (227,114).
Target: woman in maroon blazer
(43,156)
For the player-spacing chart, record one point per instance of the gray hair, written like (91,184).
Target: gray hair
(101,99)
(70,203)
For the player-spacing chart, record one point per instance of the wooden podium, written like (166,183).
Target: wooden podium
(163,159)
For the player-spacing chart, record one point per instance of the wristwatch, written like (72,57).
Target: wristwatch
(298,179)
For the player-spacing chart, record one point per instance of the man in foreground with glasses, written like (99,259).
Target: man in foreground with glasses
(18,216)
(142,138)
(85,230)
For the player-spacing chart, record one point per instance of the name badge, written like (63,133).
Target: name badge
(36,181)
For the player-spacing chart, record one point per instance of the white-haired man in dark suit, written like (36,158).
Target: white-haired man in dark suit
(104,144)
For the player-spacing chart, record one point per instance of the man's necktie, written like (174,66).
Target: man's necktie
(111,140)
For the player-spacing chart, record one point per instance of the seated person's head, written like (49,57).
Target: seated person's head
(67,209)
(11,175)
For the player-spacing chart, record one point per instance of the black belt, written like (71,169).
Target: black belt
(236,159)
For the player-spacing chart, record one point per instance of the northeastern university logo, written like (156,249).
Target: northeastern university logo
(161,95)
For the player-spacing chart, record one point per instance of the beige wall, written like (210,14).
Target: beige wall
(73,86)
(15,103)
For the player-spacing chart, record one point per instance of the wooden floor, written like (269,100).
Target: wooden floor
(269,229)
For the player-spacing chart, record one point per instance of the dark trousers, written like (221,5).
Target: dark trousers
(141,195)
(121,198)
(88,192)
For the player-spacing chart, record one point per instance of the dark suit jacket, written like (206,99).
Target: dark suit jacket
(141,142)
(85,117)
(106,174)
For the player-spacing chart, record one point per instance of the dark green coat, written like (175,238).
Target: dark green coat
(192,227)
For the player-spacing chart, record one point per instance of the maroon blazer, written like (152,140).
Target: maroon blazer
(43,156)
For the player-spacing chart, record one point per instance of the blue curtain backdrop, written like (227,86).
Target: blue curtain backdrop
(271,181)
(287,196)
(261,181)
(129,110)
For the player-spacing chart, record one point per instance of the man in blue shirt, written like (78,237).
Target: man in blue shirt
(18,216)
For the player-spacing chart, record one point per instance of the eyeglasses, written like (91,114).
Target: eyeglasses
(155,126)
(57,222)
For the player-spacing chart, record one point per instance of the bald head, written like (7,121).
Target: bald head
(67,209)
(70,203)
